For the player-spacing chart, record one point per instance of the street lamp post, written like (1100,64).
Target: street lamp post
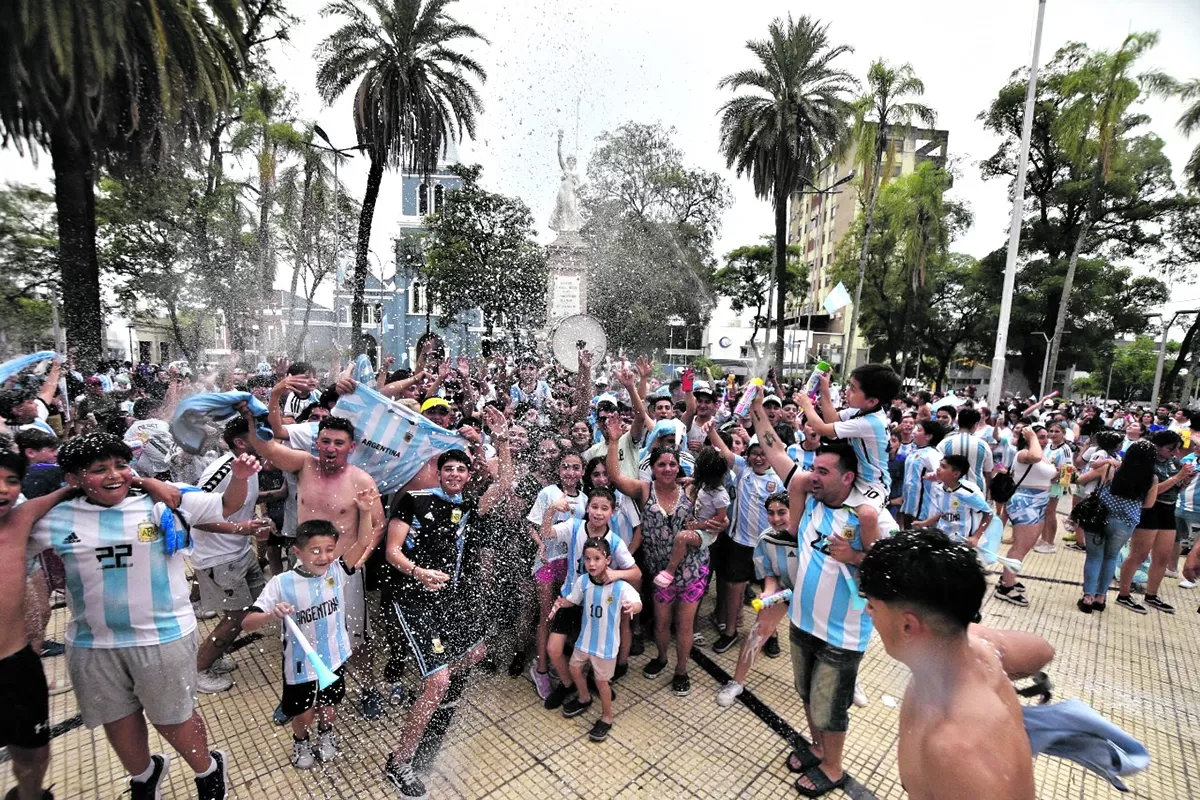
(1045,366)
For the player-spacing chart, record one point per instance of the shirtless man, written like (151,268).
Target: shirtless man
(326,488)
(961,728)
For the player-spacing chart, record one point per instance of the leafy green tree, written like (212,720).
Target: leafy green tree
(1121,210)
(110,82)
(650,222)
(1131,366)
(1180,265)
(791,119)
(1189,123)
(748,277)
(29,253)
(414,94)
(878,115)
(481,253)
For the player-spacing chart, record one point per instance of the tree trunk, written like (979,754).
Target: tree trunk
(75,203)
(374,178)
(1181,358)
(1063,304)
(848,356)
(177,332)
(306,240)
(781,203)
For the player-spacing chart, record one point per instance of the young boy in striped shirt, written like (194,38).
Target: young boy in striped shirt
(313,594)
(602,603)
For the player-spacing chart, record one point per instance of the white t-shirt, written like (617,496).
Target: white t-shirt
(152,445)
(546,497)
(1040,474)
(210,549)
(123,590)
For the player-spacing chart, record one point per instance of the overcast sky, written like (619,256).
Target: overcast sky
(621,60)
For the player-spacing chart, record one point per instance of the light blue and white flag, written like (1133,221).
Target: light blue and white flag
(838,298)
(20,363)
(393,442)
(989,546)
(363,371)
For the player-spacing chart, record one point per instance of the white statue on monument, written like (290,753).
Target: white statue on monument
(566,219)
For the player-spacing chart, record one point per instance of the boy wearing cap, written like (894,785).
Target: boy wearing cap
(701,408)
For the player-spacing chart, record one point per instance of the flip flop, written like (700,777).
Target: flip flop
(805,759)
(821,781)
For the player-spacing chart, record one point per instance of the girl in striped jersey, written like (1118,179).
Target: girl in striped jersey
(919,469)
(604,604)
(1187,519)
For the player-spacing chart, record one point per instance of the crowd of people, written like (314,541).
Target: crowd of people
(560,521)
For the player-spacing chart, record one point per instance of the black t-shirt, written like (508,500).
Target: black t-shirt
(441,536)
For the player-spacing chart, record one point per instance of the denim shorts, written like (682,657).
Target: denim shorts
(825,677)
(1028,506)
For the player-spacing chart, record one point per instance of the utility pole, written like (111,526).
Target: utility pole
(1014,225)
(1042,386)
(1162,352)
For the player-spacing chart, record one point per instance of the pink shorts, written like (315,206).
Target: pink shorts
(688,594)
(554,572)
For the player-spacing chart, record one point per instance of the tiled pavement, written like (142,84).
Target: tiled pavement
(1140,672)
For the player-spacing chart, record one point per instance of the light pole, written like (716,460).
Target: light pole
(1162,351)
(1045,366)
(1014,225)
(813,276)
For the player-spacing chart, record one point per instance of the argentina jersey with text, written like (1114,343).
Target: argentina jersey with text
(823,600)
(960,511)
(574,534)
(123,590)
(600,635)
(320,613)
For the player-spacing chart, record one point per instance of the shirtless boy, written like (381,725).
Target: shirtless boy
(326,488)
(961,729)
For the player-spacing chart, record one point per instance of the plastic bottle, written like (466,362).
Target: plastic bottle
(814,379)
(1064,477)
(759,603)
(743,406)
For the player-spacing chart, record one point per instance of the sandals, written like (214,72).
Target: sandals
(821,783)
(801,761)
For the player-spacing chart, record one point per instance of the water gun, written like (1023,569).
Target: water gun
(759,603)
(325,676)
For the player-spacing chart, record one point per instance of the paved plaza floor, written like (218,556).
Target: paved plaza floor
(1138,671)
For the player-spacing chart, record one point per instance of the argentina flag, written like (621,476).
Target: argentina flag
(393,442)
(16,365)
(364,373)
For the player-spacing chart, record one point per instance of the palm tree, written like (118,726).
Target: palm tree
(1098,94)
(1189,122)
(891,116)
(413,95)
(794,118)
(97,82)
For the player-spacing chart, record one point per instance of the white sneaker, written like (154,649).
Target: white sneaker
(1172,573)
(201,613)
(326,747)
(1044,548)
(209,682)
(728,693)
(302,755)
(860,697)
(223,665)
(1186,584)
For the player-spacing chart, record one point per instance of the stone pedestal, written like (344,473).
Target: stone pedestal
(567,290)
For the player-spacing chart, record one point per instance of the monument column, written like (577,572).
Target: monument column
(567,255)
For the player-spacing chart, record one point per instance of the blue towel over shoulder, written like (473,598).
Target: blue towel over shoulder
(1075,731)
(194,412)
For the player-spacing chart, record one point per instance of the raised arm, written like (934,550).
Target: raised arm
(714,438)
(1033,450)
(638,427)
(370,526)
(773,448)
(612,464)
(822,426)
(284,457)
(275,408)
(50,385)
(502,490)
(31,511)
(234,496)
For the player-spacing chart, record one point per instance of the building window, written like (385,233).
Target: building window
(164,352)
(423,199)
(439,195)
(417,299)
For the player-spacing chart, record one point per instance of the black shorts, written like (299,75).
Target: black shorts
(300,697)
(25,699)
(1158,517)
(734,562)
(437,632)
(568,621)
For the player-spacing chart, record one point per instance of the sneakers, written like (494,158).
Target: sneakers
(223,665)
(1076,546)
(1044,548)
(557,695)
(212,785)
(1084,605)
(1127,601)
(51,648)
(771,648)
(1012,594)
(1153,601)
(654,667)
(1186,584)
(681,686)
(372,704)
(201,613)
(151,788)
(280,718)
(698,639)
(401,775)
(1172,573)
(573,707)
(725,642)
(860,697)
(729,693)
(541,681)
(599,731)
(326,749)
(397,693)
(209,682)
(302,754)
(619,672)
